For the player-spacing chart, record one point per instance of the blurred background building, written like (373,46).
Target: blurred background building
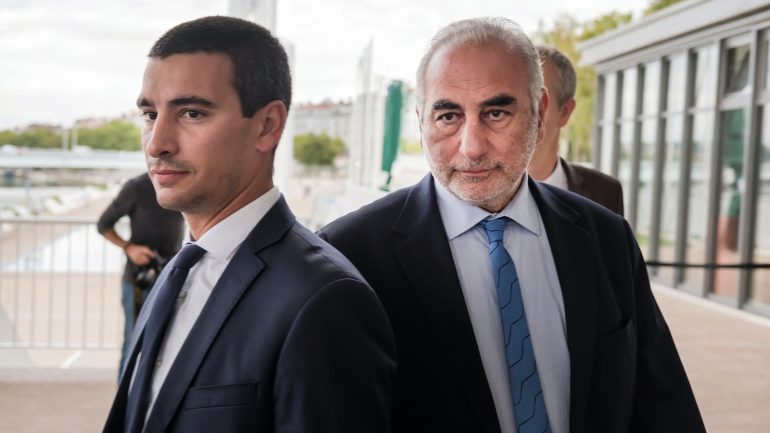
(682,120)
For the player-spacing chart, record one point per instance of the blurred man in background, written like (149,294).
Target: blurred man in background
(156,235)
(546,165)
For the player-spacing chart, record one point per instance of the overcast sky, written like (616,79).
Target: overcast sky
(61,60)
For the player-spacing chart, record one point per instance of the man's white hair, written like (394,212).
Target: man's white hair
(480,31)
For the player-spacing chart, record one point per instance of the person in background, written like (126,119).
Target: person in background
(546,165)
(156,235)
(256,325)
(517,306)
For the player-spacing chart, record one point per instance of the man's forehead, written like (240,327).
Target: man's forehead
(485,71)
(197,75)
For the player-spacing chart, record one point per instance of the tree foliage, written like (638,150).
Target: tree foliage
(410,146)
(113,135)
(313,149)
(656,5)
(604,23)
(36,137)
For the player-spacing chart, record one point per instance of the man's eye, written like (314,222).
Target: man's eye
(496,114)
(448,117)
(148,115)
(193,114)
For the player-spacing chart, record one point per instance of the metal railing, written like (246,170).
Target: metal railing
(59,285)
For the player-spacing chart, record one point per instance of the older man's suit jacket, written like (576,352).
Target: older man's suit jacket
(594,185)
(626,375)
(291,340)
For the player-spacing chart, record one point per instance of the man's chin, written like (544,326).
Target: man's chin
(168,201)
(488,197)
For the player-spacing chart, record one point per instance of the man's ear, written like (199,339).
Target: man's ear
(419,122)
(541,109)
(271,120)
(565,111)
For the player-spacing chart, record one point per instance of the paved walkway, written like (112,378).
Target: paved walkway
(725,352)
(727,356)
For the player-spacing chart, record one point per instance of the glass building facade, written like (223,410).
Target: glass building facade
(683,121)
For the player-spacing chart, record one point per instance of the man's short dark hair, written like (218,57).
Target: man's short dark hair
(260,65)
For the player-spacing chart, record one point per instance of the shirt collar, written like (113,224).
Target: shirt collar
(223,239)
(558,177)
(459,217)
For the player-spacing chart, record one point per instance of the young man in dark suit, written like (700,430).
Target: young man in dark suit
(256,325)
(546,165)
(517,306)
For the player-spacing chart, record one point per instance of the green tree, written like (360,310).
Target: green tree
(410,146)
(7,137)
(113,135)
(604,23)
(656,5)
(34,137)
(312,149)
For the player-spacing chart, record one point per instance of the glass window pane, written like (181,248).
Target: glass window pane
(766,50)
(705,76)
(628,101)
(738,68)
(646,173)
(624,162)
(610,88)
(732,186)
(760,286)
(608,147)
(669,204)
(698,197)
(651,90)
(677,77)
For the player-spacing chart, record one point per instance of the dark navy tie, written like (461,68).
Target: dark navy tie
(163,307)
(528,402)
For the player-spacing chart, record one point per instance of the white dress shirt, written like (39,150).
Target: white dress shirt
(526,241)
(220,242)
(558,177)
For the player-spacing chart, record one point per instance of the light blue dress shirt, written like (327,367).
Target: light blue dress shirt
(527,244)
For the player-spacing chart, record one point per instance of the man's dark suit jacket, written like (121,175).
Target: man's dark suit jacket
(291,340)
(594,185)
(626,375)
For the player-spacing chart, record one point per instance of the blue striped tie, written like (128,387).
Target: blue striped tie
(528,403)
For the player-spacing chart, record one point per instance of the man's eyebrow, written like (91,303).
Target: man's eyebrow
(499,101)
(185,100)
(443,104)
(192,100)
(143,102)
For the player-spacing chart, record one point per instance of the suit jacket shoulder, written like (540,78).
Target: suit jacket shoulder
(371,219)
(594,185)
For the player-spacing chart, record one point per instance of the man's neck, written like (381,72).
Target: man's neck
(543,162)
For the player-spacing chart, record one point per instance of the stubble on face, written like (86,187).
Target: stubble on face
(499,180)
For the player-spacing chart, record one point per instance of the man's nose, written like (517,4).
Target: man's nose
(160,137)
(473,139)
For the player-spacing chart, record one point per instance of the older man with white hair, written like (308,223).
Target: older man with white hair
(516,306)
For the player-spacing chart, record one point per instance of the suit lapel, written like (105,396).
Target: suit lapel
(575,181)
(242,270)
(571,246)
(427,262)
